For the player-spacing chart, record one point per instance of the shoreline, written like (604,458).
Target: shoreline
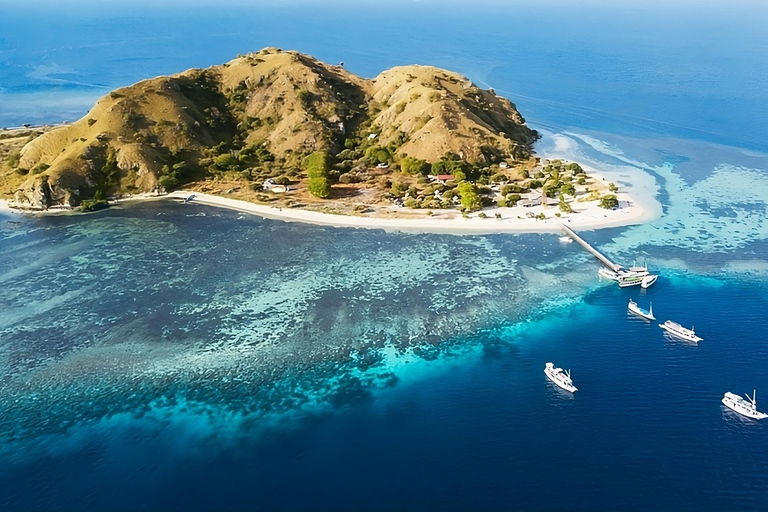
(587,216)
(591,218)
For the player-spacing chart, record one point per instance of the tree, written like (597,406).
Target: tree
(564,207)
(470,200)
(512,199)
(612,187)
(414,166)
(609,202)
(318,166)
(569,189)
(574,167)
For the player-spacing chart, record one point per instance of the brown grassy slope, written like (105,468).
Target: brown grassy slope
(290,102)
(440,112)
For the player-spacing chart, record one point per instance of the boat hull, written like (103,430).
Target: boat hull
(747,413)
(641,313)
(681,335)
(562,385)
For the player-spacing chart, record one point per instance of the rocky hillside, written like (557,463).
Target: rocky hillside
(259,115)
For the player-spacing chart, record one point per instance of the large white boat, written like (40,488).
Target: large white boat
(746,407)
(645,313)
(608,274)
(636,270)
(560,377)
(678,330)
(626,281)
(648,281)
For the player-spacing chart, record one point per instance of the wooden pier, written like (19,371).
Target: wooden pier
(597,254)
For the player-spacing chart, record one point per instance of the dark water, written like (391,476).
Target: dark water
(169,357)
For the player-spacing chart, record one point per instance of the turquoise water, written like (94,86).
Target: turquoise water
(166,356)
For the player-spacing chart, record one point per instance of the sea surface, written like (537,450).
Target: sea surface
(162,356)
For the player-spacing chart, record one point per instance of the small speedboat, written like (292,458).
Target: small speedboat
(560,377)
(645,313)
(678,330)
(648,281)
(746,407)
(565,239)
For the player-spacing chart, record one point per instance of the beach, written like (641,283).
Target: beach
(586,216)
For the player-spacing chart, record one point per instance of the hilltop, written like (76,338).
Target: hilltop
(258,117)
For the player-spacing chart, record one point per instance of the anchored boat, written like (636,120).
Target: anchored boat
(608,274)
(746,407)
(645,313)
(678,330)
(560,377)
(626,281)
(648,281)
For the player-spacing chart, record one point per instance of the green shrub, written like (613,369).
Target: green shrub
(609,202)
(40,168)
(414,166)
(512,199)
(482,215)
(91,205)
(470,200)
(91,121)
(612,187)
(319,187)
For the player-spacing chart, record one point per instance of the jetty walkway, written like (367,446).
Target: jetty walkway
(597,254)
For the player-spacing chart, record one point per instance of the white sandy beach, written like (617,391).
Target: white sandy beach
(586,216)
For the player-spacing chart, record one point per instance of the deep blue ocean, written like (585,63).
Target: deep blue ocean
(160,356)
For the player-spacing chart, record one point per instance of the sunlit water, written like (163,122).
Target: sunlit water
(179,357)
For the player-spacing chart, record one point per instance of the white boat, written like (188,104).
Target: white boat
(645,313)
(608,274)
(560,377)
(566,239)
(746,407)
(648,281)
(678,330)
(637,270)
(626,281)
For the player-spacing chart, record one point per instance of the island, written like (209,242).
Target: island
(281,134)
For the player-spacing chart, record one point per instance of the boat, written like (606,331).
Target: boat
(636,270)
(566,239)
(746,407)
(626,281)
(560,377)
(678,330)
(648,281)
(645,313)
(608,274)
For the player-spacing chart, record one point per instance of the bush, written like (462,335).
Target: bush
(398,189)
(470,200)
(91,121)
(283,180)
(22,171)
(482,215)
(512,199)
(499,178)
(226,162)
(411,203)
(574,167)
(535,184)
(348,178)
(318,166)
(569,189)
(91,205)
(40,168)
(414,166)
(612,187)
(609,202)
(376,155)
(582,180)
(319,187)
(539,175)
